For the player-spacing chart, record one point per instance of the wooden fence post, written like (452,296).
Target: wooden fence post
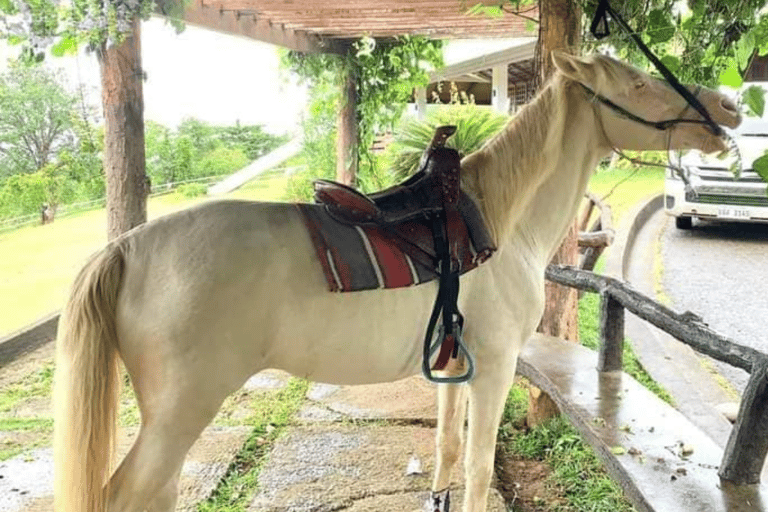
(611,334)
(747,446)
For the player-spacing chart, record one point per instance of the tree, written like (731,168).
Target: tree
(111,29)
(36,119)
(710,42)
(559,29)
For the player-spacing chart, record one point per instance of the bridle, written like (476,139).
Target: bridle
(659,125)
(599,29)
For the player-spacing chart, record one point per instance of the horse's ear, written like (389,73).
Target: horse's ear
(575,68)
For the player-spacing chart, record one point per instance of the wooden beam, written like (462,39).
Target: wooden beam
(196,13)
(323,5)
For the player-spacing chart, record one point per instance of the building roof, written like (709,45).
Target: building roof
(327,25)
(519,60)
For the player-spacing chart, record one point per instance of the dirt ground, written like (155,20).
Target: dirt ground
(522,483)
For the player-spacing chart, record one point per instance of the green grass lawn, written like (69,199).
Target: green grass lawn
(38,263)
(626,188)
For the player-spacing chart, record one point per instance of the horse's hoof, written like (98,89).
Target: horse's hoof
(438,502)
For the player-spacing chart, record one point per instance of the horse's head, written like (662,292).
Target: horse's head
(627,102)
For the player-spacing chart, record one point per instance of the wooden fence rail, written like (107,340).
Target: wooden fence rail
(747,446)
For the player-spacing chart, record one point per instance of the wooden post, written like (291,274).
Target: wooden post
(747,446)
(611,334)
(124,162)
(347,138)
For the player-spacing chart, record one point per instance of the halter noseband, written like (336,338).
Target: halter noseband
(659,125)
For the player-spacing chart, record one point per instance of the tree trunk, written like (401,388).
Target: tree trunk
(124,161)
(559,29)
(347,134)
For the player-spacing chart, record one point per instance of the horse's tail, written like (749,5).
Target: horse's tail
(86,386)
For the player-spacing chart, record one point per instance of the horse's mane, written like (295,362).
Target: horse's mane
(505,173)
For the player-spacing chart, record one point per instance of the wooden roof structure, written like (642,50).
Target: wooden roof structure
(328,25)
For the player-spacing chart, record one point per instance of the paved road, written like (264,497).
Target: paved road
(720,272)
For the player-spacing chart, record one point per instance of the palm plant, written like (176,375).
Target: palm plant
(474,126)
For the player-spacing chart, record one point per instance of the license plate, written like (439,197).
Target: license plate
(731,212)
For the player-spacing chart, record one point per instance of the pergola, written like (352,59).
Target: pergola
(331,26)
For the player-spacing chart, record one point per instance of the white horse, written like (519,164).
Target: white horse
(196,302)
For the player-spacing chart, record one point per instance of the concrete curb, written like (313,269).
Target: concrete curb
(617,260)
(28,338)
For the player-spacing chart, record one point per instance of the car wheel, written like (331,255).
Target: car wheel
(683,222)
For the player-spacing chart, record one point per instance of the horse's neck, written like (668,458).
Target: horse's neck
(503,176)
(557,199)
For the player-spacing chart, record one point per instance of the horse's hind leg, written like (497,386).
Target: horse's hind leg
(168,496)
(451,411)
(169,428)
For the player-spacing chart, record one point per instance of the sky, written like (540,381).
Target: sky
(199,73)
(217,78)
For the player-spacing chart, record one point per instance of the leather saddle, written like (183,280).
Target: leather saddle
(433,189)
(423,218)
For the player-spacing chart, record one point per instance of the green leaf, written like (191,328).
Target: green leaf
(672,62)
(618,450)
(64,46)
(731,76)
(744,50)
(660,28)
(761,166)
(754,99)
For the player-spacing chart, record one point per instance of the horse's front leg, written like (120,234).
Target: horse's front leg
(451,412)
(487,395)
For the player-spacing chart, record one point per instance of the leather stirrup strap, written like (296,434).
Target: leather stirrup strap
(446,301)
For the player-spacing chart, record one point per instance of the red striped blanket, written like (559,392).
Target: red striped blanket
(357,258)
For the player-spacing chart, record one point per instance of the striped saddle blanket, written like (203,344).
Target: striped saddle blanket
(363,257)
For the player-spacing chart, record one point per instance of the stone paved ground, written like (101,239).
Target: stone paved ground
(358,462)
(348,450)
(26,481)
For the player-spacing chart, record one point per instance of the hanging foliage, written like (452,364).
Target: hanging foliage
(386,73)
(40,25)
(710,42)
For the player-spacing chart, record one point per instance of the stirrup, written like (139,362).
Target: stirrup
(461,348)
(438,501)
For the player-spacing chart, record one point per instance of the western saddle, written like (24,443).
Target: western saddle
(434,188)
(431,195)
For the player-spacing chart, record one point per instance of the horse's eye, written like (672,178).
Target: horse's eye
(639,85)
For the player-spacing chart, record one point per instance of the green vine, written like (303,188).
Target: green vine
(386,73)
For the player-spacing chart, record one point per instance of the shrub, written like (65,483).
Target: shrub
(190,190)
(220,161)
(475,125)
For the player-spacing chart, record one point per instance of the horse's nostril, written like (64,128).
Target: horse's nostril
(729,106)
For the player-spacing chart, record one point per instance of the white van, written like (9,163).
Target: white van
(714,193)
